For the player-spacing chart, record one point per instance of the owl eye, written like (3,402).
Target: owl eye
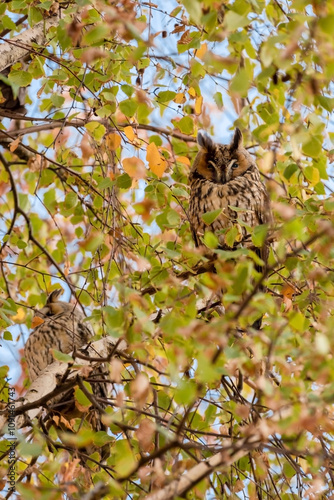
(211,165)
(235,165)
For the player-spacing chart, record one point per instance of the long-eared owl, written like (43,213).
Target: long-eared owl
(223,177)
(60,326)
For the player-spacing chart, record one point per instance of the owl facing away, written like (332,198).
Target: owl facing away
(221,178)
(62,327)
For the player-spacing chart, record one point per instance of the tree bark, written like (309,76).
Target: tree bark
(14,49)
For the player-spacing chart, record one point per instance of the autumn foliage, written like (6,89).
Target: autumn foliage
(95,157)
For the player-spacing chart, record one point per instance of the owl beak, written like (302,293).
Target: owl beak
(223,177)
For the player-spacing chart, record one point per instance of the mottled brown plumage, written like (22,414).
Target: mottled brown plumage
(223,177)
(62,328)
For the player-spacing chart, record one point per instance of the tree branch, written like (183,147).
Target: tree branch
(20,46)
(46,385)
(226,457)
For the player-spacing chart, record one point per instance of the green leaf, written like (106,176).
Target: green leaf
(8,23)
(218,98)
(128,90)
(143,63)
(290,170)
(185,125)
(210,240)
(104,182)
(240,83)
(20,78)
(128,107)
(57,100)
(326,23)
(194,8)
(7,335)
(81,397)
(231,235)
(29,449)
(166,96)
(101,438)
(21,244)
(210,217)
(185,392)
(312,174)
(297,321)
(259,235)
(114,318)
(234,21)
(50,199)
(313,147)
(61,356)
(71,199)
(124,181)
(124,460)
(96,34)
(92,244)
(96,129)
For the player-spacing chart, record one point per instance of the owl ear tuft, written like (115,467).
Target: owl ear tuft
(54,296)
(237,140)
(205,141)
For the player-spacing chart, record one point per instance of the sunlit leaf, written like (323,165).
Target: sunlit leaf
(134,167)
(128,131)
(156,162)
(113,141)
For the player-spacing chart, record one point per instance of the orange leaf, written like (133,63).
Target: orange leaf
(128,131)
(180,98)
(156,162)
(113,141)
(201,51)
(288,291)
(183,159)
(36,321)
(134,167)
(13,145)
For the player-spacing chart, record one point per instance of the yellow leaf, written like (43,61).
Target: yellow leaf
(128,131)
(192,92)
(134,167)
(198,105)
(202,51)
(156,162)
(183,159)
(113,141)
(19,316)
(180,98)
